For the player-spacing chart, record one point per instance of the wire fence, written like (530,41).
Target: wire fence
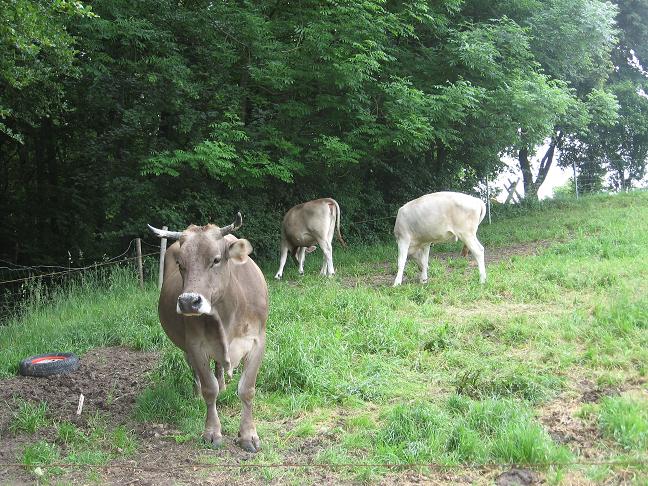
(24,283)
(133,465)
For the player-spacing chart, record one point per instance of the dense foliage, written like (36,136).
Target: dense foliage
(170,112)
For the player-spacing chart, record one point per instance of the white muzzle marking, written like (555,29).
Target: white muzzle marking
(204,307)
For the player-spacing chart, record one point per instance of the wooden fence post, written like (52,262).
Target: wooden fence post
(140,267)
(163,244)
(575,178)
(488,201)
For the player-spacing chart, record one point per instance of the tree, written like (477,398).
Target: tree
(573,42)
(170,112)
(617,146)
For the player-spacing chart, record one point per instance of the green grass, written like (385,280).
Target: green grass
(95,444)
(625,420)
(40,454)
(452,372)
(29,417)
(466,431)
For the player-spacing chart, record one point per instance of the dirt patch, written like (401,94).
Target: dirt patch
(517,477)
(593,395)
(502,253)
(386,271)
(580,434)
(110,380)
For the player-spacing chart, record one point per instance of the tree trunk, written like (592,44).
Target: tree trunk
(527,175)
(531,186)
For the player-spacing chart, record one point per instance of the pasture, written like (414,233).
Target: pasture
(543,367)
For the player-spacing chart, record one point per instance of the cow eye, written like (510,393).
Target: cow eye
(217,260)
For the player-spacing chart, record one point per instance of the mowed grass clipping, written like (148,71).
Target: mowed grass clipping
(450,373)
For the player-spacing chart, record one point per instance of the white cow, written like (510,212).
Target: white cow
(434,218)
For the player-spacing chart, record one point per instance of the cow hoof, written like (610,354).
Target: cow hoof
(278,277)
(212,440)
(251,445)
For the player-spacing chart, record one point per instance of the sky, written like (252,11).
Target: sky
(556,176)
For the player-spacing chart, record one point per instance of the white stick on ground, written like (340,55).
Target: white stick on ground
(80,407)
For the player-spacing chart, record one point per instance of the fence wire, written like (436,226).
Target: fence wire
(310,465)
(75,270)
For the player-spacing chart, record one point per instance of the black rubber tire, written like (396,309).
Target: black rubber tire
(49,364)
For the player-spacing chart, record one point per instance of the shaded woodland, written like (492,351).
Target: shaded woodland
(114,114)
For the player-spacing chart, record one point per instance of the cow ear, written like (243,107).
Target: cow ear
(239,250)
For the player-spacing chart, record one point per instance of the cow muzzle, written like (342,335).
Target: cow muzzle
(192,304)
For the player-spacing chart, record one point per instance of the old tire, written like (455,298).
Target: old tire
(49,364)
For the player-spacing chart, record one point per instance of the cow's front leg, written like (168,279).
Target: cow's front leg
(209,386)
(252,350)
(196,388)
(423,262)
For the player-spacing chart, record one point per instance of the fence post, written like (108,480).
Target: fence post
(163,244)
(488,202)
(140,267)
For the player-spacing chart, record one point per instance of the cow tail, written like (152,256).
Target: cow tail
(337,217)
(482,212)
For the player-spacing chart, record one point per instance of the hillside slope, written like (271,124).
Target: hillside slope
(544,366)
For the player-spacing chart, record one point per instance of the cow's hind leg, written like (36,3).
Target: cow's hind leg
(477,250)
(327,265)
(301,256)
(282,260)
(403,248)
(253,354)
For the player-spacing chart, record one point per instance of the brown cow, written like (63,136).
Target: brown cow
(214,306)
(307,224)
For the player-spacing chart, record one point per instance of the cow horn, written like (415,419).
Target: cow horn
(238,222)
(172,235)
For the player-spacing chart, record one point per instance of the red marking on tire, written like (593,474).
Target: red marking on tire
(47,359)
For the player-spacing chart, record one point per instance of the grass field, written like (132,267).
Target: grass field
(544,365)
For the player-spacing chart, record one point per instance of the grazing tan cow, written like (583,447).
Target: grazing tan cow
(307,224)
(214,306)
(435,218)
